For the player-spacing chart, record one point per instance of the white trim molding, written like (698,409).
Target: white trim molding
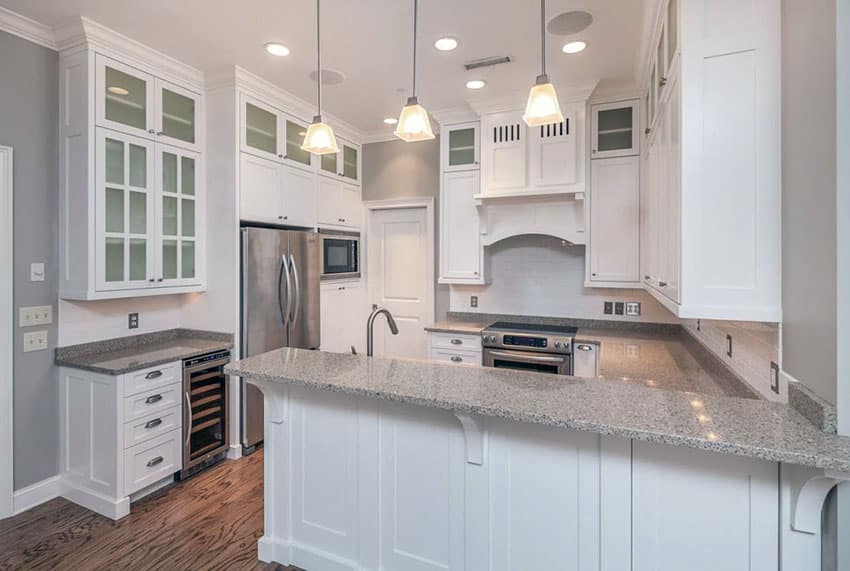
(7,472)
(38,493)
(26,28)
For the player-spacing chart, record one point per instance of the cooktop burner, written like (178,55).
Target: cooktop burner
(534,328)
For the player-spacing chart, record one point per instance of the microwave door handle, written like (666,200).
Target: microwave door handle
(296,307)
(528,358)
(283,272)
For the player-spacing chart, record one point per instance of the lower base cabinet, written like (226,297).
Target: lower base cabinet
(457,348)
(343,310)
(366,484)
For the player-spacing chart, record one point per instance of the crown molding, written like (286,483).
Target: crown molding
(612,94)
(26,28)
(380,136)
(454,115)
(516,101)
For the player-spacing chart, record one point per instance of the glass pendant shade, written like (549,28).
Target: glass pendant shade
(413,123)
(320,138)
(542,107)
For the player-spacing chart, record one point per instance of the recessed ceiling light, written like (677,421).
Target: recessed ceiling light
(475,84)
(117,90)
(277,49)
(574,47)
(446,44)
(390,120)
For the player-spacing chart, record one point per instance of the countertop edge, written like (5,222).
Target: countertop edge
(112,372)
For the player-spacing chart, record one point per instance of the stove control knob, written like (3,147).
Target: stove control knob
(557,344)
(491,338)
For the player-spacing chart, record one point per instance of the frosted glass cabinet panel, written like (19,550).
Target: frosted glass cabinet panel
(178,214)
(461,142)
(295,133)
(178,112)
(124,98)
(615,130)
(350,166)
(260,127)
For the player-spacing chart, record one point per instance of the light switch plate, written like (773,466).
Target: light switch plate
(37,272)
(36,315)
(35,341)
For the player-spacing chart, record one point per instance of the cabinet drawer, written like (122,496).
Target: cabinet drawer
(151,461)
(456,357)
(153,401)
(153,378)
(455,341)
(152,425)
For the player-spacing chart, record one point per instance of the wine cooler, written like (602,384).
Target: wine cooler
(205,411)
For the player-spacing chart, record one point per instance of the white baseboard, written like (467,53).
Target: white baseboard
(36,494)
(270,550)
(96,502)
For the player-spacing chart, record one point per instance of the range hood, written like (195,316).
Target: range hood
(561,217)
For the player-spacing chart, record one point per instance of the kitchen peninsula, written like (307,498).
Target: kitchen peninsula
(529,471)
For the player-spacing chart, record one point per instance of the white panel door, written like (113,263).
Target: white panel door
(615,220)
(399,261)
(422,462)
(689,503)
(299,197)
(260,198)
(505,152)
(460,239)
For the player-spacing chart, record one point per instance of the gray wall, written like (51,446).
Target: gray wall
(29,121)
(809,351)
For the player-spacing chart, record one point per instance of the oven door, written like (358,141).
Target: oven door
(340,257)
(525,361)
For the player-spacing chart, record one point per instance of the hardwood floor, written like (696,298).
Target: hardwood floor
(211,521)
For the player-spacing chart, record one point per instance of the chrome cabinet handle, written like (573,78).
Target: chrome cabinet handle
(151,131)
(662,284)
(155,461)
(457,342)
(584,347)
(153,423)
(457,359)
(296,307)
(153,398)
(662,82)
(189,416)
(153,375)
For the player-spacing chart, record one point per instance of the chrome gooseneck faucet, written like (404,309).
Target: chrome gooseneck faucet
(370,325)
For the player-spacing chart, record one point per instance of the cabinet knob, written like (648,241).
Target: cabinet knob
(280,156)
(662,284)
(593,151)
(159,280)
(457,359)
(151,131)
(151,280)
(662,82)
(647,131)
(593,274)
(159,133)
(457,342)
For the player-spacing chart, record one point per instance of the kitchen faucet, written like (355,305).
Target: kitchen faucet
(370,325)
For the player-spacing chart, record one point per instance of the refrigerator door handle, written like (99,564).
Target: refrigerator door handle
(296,307)
(283,272)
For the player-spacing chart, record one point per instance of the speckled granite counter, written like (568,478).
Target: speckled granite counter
(126,354)
(745,427)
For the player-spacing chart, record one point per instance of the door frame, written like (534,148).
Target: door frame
(7,483)
(427,203)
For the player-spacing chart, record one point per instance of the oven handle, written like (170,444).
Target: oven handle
(524,358)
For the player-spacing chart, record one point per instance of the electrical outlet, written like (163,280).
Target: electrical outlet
(38,315)
(473,301)
(133,321)
(728,345)
(608,307)
(619,308)
(774,377)
(35,341)
(633,308)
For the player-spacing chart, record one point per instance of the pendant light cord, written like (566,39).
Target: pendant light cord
(319,52)
(543,36)
(415,18)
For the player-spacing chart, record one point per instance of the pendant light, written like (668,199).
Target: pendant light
(542,107)
(413,123)
(320,137)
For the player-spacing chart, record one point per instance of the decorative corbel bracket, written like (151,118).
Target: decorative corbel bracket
(809,488)
(276,400)
(473,431)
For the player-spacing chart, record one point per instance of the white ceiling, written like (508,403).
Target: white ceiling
(370,42)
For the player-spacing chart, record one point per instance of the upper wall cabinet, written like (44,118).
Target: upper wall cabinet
(273,134)
(345,164)
(132,200)
(137,103)
(615,130)
(460,145)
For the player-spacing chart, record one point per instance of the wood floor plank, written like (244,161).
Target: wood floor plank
(211,521)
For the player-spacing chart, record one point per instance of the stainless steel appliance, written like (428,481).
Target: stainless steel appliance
(541,348)
(339,254)
(206,411)
(280,305)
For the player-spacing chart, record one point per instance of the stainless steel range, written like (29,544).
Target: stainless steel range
(541,348)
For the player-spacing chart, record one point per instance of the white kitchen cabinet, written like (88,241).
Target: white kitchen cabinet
(553,154)
(344,164)
(178,228)
(505,153)
(457,348)
(613,247)
(275,193)
(120,435)
(460,147)
(343,311)
(299,196)
(270,133)
(338,203)
(461,256)
(615,129)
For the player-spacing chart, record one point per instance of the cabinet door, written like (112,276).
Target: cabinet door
(178,111)
(505,150)
(293,133)
(298,192)
(178,217)
(350,155)
(553,153)
(670,259)
(460,237)
(343,317)
(338,203)
(260,198)
(615,130)
(124,209)
(460,147)
(124,99)
(260,130)
(614,246)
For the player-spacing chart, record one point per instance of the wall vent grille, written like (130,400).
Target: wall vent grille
(506,133)
(555,129)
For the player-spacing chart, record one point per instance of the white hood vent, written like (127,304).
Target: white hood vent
(505,218)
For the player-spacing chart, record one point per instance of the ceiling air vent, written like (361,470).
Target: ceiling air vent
(486,62)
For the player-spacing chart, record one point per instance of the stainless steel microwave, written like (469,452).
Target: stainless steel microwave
(340,254)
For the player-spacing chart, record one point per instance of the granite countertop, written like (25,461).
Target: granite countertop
(127,354)
(744,427)
(663,357)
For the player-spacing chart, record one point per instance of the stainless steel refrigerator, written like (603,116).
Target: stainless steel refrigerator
(280,305)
